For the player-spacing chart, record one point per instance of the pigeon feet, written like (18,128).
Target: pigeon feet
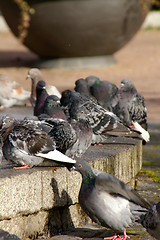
(23,167)
(117,237)
(112,237)
(1,107)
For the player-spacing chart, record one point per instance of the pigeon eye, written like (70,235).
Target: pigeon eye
(82,112)
(80,165)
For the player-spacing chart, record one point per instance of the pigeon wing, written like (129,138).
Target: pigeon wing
(110,184)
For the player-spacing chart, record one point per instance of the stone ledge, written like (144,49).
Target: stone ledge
(34,197)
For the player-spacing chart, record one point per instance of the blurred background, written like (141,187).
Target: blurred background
(138,59)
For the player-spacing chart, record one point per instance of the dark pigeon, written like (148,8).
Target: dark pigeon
(101,121)
(130,107)
(65,101)
(41,96)
(107,200)
(25,143)
(151,221)
(36,75)
(103,91)
(81,86)
(53,108)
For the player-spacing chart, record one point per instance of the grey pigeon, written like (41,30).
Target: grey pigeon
(4,235)
(36,75)
(72,138)
(107,200)
(25,143)
(101,121)
(53,108)
(130,107)
(151,221)
(82,87)
(103,91)
(41,96)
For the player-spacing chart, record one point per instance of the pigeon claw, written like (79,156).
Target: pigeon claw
(23,167)
(117,237)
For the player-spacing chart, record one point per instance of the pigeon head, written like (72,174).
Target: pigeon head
(83,167)
(91,80)
(127,85)
(41,85)
(65,97)
(6,121)
(79,113)
(34,74)
(52,100)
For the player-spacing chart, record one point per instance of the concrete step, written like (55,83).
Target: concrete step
(39,199)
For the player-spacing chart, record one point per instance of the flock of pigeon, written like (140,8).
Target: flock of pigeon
(65,125)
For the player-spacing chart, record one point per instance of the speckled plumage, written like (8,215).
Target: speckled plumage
(100,120)
(25,142)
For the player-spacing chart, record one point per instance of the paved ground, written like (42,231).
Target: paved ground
(139,60)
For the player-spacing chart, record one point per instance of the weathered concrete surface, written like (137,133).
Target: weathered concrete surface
(32,200)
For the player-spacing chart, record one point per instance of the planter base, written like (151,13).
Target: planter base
(76,62)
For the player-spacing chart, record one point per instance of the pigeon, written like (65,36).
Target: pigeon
(84,135)
(151,221)
(81,86)
(11,93)
(41,96)
(130,107)
(35,75)
(26,143)
(4,235)
(72,137)
(107,200)
(103,91)
(101,121)
(53,108)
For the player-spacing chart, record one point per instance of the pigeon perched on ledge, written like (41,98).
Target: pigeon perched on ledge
(53,108)
(103,91)
(130,107)
(35,75)
(25,143)
(41,96)
(108,201)
(102,122)
(72,137)
(82,87)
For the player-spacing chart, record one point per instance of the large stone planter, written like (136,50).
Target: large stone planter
(73,28)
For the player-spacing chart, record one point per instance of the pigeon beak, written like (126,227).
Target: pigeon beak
(28,77)
(72,168)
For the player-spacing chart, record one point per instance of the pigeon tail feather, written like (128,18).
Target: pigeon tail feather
(144,134)
(56,156)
